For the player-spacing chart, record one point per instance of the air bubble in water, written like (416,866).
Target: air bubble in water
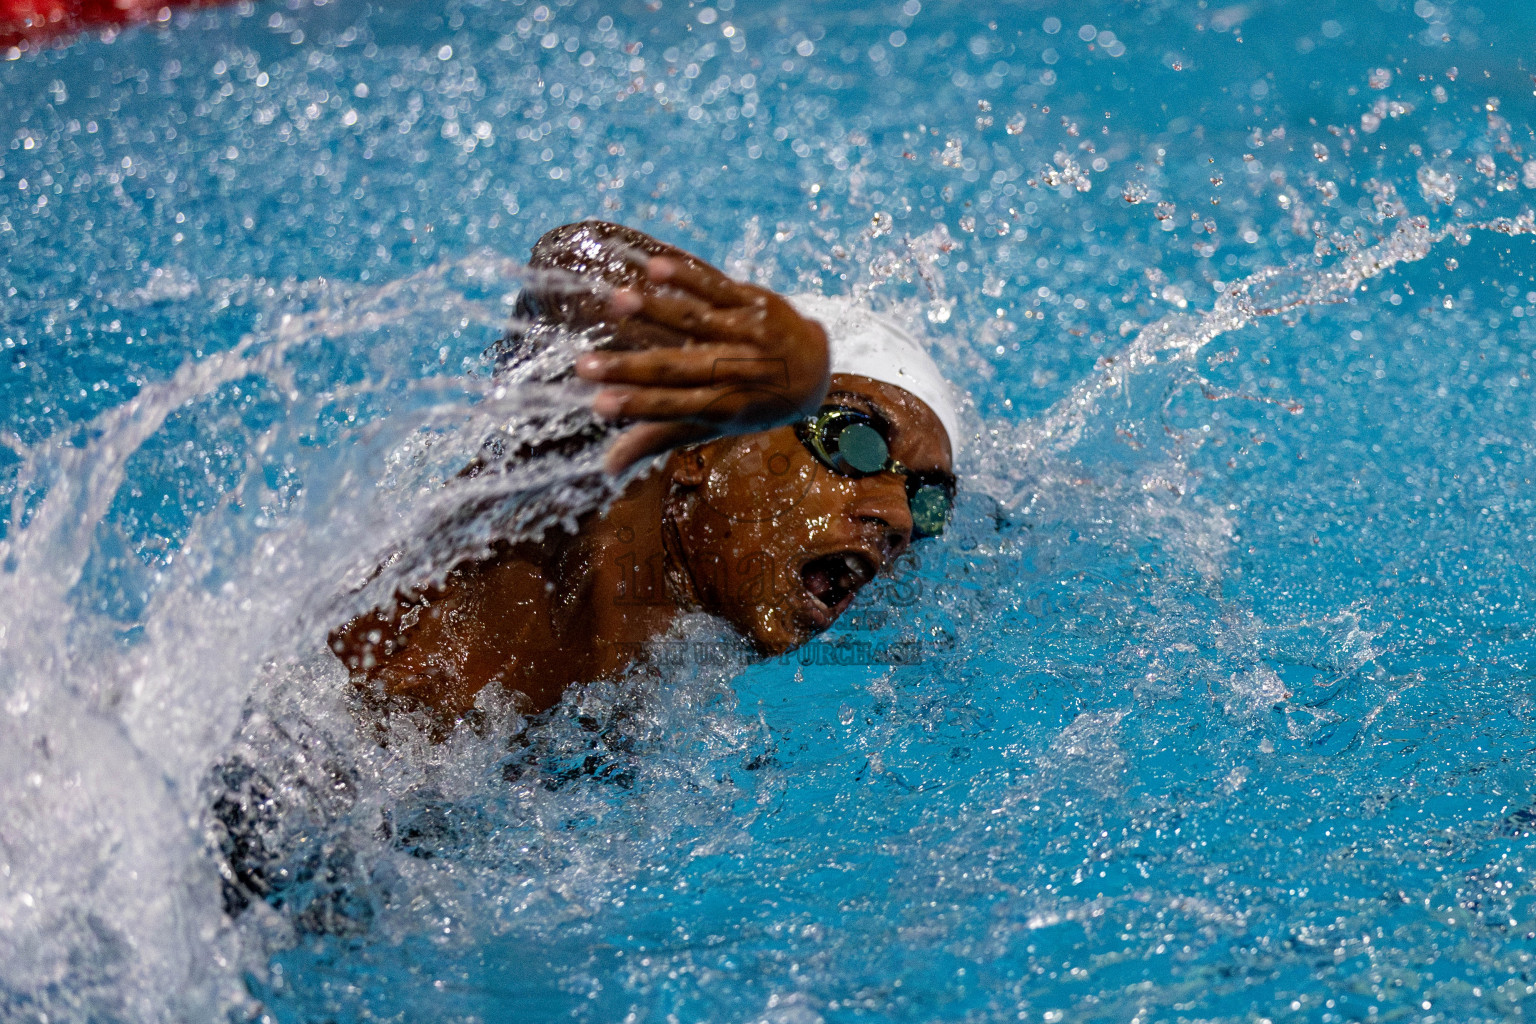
(1070,173)
(880,224)
(1319,152)
(1437,186)
(1380,78)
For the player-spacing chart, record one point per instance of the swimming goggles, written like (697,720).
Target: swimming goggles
(854,443)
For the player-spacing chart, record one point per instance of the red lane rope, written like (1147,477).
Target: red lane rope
(22,21)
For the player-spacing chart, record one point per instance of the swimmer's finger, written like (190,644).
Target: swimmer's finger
(694,366)
(634,403)
(649,439)
(707,282)
(635,333)
(689,315)
(736,409)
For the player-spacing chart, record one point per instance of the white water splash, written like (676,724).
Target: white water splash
(1180,337)
(109,907)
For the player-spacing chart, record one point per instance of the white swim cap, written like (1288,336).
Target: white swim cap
(865,343)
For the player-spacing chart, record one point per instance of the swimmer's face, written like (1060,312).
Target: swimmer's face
(776,543)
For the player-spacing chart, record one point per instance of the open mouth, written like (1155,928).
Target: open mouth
(833,579)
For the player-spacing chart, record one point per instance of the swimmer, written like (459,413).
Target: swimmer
(808,443)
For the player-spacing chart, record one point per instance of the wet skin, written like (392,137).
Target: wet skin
(747,526)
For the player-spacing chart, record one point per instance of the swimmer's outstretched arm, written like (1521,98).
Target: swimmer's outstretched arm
(704,355)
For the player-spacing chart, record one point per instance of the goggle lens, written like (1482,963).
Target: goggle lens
(861,448)
(930,510)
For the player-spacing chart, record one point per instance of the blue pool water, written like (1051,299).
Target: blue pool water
(1216,704)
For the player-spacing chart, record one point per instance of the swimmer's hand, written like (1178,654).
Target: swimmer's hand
(743,360)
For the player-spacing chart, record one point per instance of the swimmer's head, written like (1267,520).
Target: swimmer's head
(776,538)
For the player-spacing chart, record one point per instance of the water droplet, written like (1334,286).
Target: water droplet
(1437,187)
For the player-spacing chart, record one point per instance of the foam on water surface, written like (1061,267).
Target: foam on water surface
(1214,703)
